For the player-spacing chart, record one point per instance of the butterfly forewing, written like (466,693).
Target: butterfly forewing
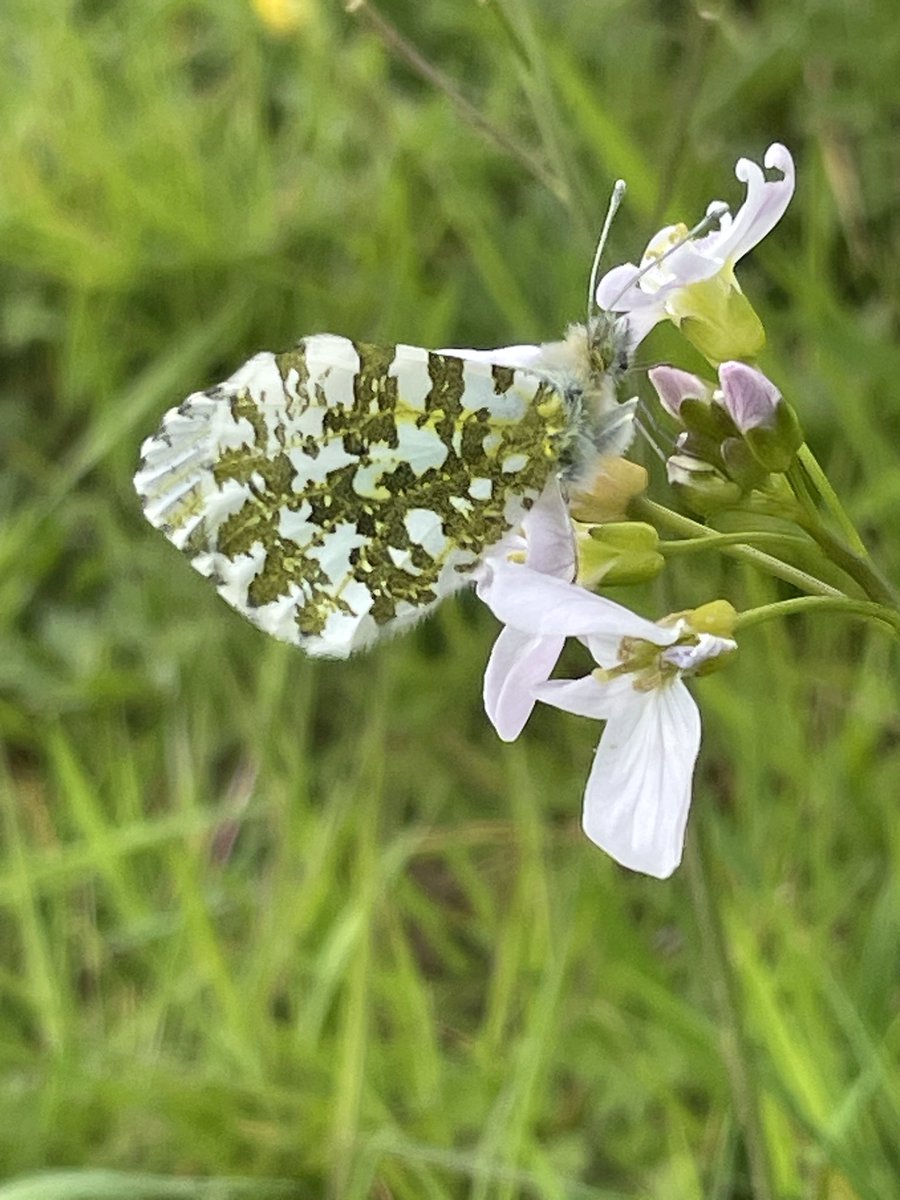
(337,491)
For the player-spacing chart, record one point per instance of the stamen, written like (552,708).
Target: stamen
(716,212)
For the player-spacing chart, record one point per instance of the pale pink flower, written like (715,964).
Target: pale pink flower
(656,294)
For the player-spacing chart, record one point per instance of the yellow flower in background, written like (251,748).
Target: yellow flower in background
(285,16)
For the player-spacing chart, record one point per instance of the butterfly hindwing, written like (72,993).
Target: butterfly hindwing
(337,491)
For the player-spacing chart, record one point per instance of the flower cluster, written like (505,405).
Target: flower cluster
(639,790)
(736,437)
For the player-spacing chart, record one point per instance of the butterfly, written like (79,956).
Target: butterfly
(337,491)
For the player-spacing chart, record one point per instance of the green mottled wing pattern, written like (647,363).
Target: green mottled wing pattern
(338,491)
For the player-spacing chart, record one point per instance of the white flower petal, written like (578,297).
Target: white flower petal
(639,791)
(550,539)
(617,291)
(641,320)
(764,206)
(543,605)
(518,662)
(689,657)
(587,697)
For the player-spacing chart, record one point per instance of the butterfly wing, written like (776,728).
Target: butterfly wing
(338,491)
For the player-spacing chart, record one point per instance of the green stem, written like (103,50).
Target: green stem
(863,570)
(660,515)
(822,484)
(735,1051)
(799,507)
(715,541)
(839,604)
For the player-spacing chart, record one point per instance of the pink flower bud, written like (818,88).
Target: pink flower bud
(674,386)
(767,422)
(749,398)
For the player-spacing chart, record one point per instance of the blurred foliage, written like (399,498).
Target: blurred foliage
(310,922)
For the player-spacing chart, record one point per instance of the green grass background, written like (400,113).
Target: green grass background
(310,925)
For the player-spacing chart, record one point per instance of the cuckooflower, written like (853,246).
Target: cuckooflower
(696,281)
(639,790)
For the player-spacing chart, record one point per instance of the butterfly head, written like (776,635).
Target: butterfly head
(608,352)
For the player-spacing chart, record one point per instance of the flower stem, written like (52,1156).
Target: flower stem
(878,613)
(858,567)
(665,517)
(822,484)
(735,1050)
(715,541)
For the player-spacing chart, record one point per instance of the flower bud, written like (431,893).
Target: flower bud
(716,617)
(701,485)
(690,400)
(741,465)
(699,445)
(708,420)
(767,422)
(674,386)
(606,496)
(617,553)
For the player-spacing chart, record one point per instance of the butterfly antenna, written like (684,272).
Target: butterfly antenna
(715,213)
(650,431)
(619,189)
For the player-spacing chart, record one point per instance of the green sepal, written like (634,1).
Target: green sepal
(718,319)
(775,446)
(707,419)
(717,617)
(741,465)
(622,552)
(702,487)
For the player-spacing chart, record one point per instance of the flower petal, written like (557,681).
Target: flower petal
(749,398)
(587,697)
(549,536)
(763,207)
(518,662)
(617,291)
(639,790)
(543,605)
(674,385)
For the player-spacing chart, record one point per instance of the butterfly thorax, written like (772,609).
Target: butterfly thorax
(586,367)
